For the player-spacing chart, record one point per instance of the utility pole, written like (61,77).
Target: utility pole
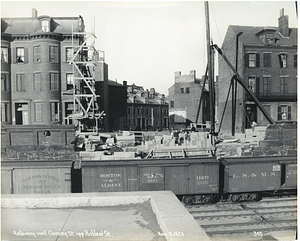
(210,75)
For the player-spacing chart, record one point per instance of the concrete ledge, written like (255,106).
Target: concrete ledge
(174,220)
(70,200)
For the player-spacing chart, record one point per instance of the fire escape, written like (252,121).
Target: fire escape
(86,112)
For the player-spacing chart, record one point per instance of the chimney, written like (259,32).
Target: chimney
(152,91)
(125,83)
(34,13)
(283,22)
(177,73)
(193,75)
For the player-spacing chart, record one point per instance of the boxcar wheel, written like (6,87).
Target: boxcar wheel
(235,198)
(187,200)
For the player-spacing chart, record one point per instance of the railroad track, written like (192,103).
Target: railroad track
(248,221)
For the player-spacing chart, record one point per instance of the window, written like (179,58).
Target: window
(37,84)
(20,55)
(283,85)
(187,90)
(283,60)
(70,81)
(4,82)
(252,60)
(69,54)
(53,50)
(36,53)
(38,112)
(20,83)
(172,103)
(4,55)
(45,25)
(139,111)
(284,112)
(182,90)
(5,112)
(267,60)
(295,60)
(266,85)
(252,84)
(269,38)
(129,111)
(54,109)
(53,81)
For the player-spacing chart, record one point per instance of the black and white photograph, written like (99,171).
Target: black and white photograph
(149,120)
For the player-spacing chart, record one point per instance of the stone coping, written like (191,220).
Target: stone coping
(176,223)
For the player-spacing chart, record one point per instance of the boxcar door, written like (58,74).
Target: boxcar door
(151,178)
(177,179)
(291,176)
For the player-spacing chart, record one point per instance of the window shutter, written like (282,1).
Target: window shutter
(65,55)
(279,113)
(280,61)
(14,51)
(9,55)
(25,55)
(257,86)
(247,60)
(289,112)
(257,60)
(265,56)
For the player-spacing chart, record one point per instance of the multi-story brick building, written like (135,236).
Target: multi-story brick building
(146,110)
(184,98)
(34,67)
(266,59)
(36,75)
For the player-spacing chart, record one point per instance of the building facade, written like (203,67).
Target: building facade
(266,59)
(35,69)
(184,98)
(146,110)
(38,81)
(113,100)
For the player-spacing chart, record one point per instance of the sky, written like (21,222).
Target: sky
(146,42)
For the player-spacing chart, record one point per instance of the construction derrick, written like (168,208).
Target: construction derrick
(86,112)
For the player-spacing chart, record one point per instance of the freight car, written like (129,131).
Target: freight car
(248,178)
(36,177)
(183,176)
(195,180)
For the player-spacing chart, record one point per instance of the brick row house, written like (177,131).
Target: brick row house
(266,58)
(35,69)
(37,80)
(146,110)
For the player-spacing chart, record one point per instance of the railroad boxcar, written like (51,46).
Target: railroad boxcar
(35,177)
(194,179)
(247,178)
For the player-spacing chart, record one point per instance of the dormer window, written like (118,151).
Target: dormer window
(269,38)
(45,25)
(45,22)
